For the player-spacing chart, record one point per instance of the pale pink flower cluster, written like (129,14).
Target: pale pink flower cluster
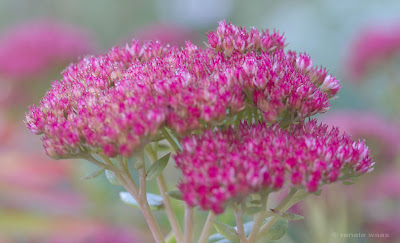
(372,45)
(118,101)
(221,166)
(30,48)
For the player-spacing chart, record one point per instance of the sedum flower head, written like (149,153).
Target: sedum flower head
(220,166)
(118,101)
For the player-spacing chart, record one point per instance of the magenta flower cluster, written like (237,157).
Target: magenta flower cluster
(118,101)
(223,166)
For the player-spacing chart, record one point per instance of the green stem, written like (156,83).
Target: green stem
(91,159)
(205,233)
(259,219)
(291,198)
(239,222)
(139,194)
(167,202)
(188,224)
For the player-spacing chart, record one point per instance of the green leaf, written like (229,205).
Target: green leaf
(218,238)
(175,194)
(170,238)
(348,183)
(256,202)
(94,174)
(215,237)
(288,216)
(157,167)
(155,201)
(228,232)
(318,192)
(163,147)
(253,210)
(139,163)
(111,178)
(277,231)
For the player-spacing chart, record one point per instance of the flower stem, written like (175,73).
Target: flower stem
(239,222)
(205,233)
(188,224)
(258,219)
(291,198)
(167,202)
(126,180)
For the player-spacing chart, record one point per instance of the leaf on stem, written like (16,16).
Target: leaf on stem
(288,216)
(155,201)
(163,147)
(228,232)
(277,231)
(348,183)
(218,238)
(94,174)
(157,167)
(175,194)
(111,178)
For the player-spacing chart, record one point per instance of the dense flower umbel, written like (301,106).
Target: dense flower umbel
(229,165)
(118,101)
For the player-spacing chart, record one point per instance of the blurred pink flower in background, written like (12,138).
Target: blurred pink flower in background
(30,48)
(371,46)
(32,179)
(370,125)
(101,234)
(382,204)
(167,33)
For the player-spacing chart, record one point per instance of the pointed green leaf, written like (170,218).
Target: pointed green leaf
(224,241)
(157,167)
(170,238)
(256,202)
(139,163)
(318,192)
(155,201)
(175,194)
(277,231)
(228,232)
(94,174)
(111,178)
(218,238)
(163,147)
(215,237)
(348,183)
(288,216)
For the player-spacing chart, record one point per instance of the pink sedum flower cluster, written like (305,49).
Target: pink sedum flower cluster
(29,49)
(118,101)
(371,46)
(220,166)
